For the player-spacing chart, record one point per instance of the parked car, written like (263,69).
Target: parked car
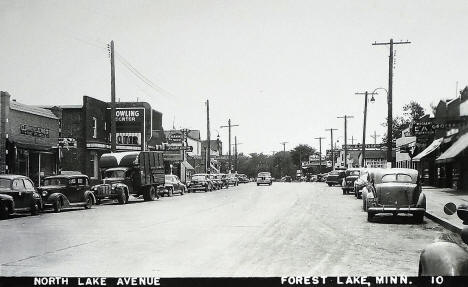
(243,178)
(224,179)
(264,178)
(313,178)
(446,258)
(335,177)
(232,179)
(286,178)
(217,183)
(18,194)
(173,185)
(395,190)
(200,181)
(360,183)
(351,175)
(65,191)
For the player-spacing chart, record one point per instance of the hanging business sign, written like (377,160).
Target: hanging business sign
(175,137)
(359,146)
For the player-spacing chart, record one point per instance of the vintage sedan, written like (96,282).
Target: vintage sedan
(18,194)
(395,190)
(66,191)
(445,258)
(335,177)
(173,185)
(351,175)
(200,181)
(232,179)
(360,183)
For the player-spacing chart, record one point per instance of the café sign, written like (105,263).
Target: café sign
(34,131)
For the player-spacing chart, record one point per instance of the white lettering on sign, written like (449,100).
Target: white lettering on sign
(127,115)
(142,281)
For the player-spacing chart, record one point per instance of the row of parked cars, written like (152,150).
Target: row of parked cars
(399,190)
(390,190)
(72,189)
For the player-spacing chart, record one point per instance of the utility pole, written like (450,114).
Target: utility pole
(390,95)
(331,143)
(363,147)
(352,140)
(284,155)
(235,153)
(320,153)
(113,127)
(346,117)
(229,126)
(208,138)
(375,136)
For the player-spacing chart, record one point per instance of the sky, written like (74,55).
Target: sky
(282,70)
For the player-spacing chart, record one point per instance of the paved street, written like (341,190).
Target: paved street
(286,228)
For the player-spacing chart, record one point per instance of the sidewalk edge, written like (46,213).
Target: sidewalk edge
(443,222)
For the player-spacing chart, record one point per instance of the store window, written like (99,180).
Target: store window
(93,165)
(94,128)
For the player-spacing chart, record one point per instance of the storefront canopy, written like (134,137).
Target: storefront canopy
(187,165)
(432,147)
(456,148)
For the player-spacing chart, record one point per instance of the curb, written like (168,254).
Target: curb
(443,222)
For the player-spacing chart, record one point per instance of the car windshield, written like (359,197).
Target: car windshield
(4,183)
(397,178)
(56,181)
(262,174)
(114,174)
(354,172)
(198,177)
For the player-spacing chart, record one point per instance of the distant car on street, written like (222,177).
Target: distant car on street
(217,183)
(313,178)
(65,191)
(335,177)
(232,179)
(445,258)
(351,175)
(243,178)
(18,194)
(200,181)
(264,177)
(395,190)
(173,185)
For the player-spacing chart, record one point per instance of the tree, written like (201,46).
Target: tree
(301,153)
(411,112)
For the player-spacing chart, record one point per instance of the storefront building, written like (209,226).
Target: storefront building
(29,137)
(440,146)
(86,128)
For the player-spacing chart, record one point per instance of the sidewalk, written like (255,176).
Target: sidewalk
(436,198)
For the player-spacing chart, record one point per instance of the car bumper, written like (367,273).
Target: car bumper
(197,187)
(385,209)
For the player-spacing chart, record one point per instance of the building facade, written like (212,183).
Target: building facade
(29,139)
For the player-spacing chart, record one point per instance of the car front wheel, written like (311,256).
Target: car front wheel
(57,205)
(89,202)
(3,211)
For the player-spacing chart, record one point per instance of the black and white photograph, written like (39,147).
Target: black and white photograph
(233,143)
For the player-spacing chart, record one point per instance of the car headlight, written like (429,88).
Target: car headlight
(44,193)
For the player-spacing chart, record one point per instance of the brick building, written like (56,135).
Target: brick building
(29,139)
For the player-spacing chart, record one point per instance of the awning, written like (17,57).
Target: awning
(31,146)
(187,165)
(432,147)
(456,148)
